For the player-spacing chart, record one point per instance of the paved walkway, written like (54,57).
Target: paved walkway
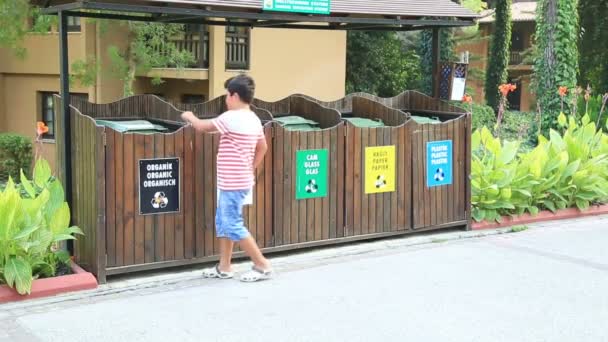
(549,283)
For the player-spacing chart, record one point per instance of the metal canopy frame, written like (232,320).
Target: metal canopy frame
(200,14)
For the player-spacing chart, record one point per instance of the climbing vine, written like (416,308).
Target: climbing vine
(500,46)
(556,61)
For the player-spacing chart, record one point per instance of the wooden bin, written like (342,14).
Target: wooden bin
(311,220)
(377,213)
(105,191)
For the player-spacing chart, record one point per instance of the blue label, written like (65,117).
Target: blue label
(439,163)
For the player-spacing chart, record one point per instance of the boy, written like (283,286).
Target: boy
(242,148)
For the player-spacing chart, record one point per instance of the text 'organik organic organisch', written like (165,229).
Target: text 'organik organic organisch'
(159,190)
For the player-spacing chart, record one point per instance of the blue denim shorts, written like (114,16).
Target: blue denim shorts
(229,222)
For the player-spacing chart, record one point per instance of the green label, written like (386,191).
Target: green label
(298,6)
(311,174)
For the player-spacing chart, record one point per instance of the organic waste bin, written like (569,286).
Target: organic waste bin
(143,187)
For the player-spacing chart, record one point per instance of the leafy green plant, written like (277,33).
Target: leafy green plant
(569,169)
(31,227)
(483,116)
(518,229)
(15,155)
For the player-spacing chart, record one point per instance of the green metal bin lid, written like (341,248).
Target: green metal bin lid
(302,128)
(138,126)
(365,123)
(294,120)
(425,120)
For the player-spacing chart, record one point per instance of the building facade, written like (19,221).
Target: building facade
(520,68)
(281,61)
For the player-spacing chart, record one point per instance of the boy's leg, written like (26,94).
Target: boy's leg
(253,251)
(226,247)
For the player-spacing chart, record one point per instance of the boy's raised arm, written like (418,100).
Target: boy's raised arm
(204,126)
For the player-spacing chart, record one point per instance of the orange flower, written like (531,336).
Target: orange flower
(563,91)
(506,88)
(41,128)
(467,98)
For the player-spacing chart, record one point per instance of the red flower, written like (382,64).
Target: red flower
(467,98)
(41,128)
(506,88)
(563,91)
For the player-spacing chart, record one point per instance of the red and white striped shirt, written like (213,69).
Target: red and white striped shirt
(240,131)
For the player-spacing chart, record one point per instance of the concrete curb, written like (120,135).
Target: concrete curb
(543,216)
(78,281)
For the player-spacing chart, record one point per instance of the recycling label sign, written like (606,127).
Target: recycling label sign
(158,186)
(379,169)
(439,165)
(311,173)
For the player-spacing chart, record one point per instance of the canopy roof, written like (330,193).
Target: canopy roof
(397,15)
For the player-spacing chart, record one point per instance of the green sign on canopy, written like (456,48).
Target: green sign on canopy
(298,6)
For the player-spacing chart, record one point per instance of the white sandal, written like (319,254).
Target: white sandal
(214,272)
(256,274)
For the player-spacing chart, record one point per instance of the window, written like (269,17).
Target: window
(47,111)
(237,47)
(73,24)
(193,99)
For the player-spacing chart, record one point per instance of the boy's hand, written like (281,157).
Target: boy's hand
(188,116)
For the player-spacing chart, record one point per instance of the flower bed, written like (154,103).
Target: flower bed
(78,280)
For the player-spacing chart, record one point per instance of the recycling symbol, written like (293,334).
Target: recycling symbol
(311,187)
(380,182)
(439,175)
(160,200)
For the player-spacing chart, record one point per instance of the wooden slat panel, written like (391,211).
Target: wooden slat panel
(396,201)
(286,229)
(99,208)
(303,145)
(129,199)
(208,189)
(367,203)
(339,210)
(268,193)
(188,194)
(215,144)
(170,218)
(450,198)
(149,220)
(291,184)
(387,214)
(160,227)
(140,223)
(199,195)
(319,224)
(110,164)
(119,194)
(282,156)
(329,220)
(350,172)
(179,217)
(360,217)
(310,203)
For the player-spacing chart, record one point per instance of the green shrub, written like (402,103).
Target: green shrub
(595,105)
(483,116)
(567,170)
(15,155)
(520,126)
(31,226)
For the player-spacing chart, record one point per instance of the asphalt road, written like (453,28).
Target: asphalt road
(549,283)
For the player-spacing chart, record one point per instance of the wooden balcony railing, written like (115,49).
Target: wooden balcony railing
(516,58)
(237,49)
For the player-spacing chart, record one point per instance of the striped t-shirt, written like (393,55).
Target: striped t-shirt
(240,131)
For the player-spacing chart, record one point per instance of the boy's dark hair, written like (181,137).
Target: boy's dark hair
(242,85)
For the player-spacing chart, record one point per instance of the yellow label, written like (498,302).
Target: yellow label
(379,169)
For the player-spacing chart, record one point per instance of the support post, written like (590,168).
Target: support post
(436,58)
(64,79)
